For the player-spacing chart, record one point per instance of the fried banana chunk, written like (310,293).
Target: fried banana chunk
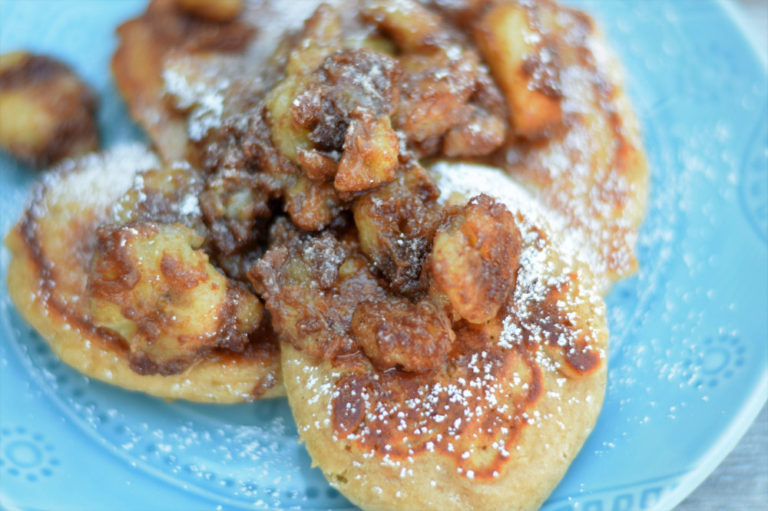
(335,121)
(475,258)
(396,224)
(524,64)
(410,25)
(311,286)
(150,284)
(398,333)
(48,112)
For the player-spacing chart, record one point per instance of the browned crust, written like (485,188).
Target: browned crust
(541,455)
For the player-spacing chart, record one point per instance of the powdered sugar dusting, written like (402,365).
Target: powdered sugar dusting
(469,179)
(96,178)
(473,416)
(196,91)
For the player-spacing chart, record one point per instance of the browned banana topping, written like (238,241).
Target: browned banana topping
(475,259)
(397,333)
(323,297)
(345,103)
(48,113)
(311,286)
(396,224)
(150,284)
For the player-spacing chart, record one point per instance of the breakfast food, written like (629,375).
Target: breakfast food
(48,112)
(448,403)
(584,156)
(103,266)
(554,114)
(324,216)
(138,63)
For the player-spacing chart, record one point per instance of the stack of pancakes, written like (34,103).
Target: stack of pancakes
(402,215)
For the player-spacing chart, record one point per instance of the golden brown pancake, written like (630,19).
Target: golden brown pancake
(52,249)
(496,422)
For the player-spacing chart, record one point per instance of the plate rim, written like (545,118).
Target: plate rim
(731,436)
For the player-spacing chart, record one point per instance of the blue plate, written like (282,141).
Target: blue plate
(689,354)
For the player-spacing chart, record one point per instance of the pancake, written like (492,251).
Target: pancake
(493,420)
(582,157)
(52,248)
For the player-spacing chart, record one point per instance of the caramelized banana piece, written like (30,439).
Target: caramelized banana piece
(524,65)
(48,113)
(214,10)
(396,224)
(411,26)
(436,89)
(479,136)
(370,154)
(166,194)
(320,37)
(335,120)
(475,258)
(311,286)
(397,333)
(151,285)
(312,205)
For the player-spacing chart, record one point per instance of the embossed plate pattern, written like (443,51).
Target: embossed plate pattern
(689,352)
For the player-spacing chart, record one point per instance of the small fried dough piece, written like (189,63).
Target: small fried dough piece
(150,285)
(214,10)
(48,113)
(524,66)
(475,258)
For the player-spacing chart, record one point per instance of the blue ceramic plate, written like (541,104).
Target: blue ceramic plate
(688,369)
